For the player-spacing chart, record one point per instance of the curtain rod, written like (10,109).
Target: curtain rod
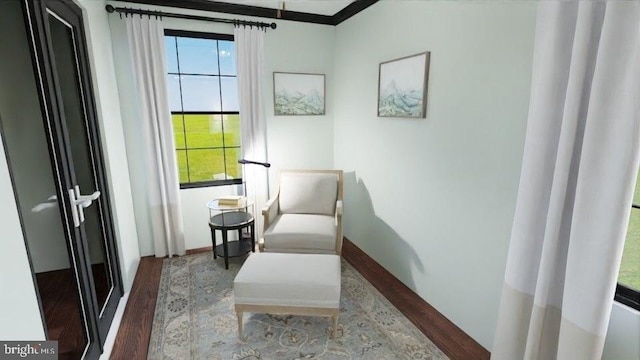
(126,11)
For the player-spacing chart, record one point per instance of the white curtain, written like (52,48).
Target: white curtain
(249,42)
(579,168)
(146,41)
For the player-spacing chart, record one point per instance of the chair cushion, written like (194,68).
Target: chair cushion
(301,232)
(289,280)
(308,193)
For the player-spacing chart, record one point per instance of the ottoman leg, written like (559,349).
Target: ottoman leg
(335,325)
(239,314)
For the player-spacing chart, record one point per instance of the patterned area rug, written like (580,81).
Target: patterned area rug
(194,319)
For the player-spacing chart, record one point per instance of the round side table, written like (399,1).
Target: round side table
(231,218)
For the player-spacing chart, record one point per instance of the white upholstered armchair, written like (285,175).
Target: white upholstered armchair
(305,215)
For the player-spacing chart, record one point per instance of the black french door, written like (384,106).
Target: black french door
(62,71)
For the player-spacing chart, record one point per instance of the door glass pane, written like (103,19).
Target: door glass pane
(36,187)
(82,154)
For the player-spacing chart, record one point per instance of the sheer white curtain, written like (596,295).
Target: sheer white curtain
(249,42)
(579,169)
(146,41)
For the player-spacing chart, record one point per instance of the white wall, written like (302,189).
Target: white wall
(19,309)
(435,208)
(111,131)
(432,200)
(623,337)
(300,142)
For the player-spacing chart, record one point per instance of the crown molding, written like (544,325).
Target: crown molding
(257,11)
(353,8)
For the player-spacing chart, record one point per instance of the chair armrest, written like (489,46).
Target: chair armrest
(270,211)
(338,218)
(339,208)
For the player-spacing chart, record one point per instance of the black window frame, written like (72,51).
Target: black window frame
(199,184)
(624,294)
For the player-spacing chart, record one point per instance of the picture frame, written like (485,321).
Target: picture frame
(402,86)
(298,94)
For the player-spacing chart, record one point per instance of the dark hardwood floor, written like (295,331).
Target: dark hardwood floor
(59,297)
(133,337)
(445,335)
(132,341)
(62,312)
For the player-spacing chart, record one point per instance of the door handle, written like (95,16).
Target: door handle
(79,203)
(86,200)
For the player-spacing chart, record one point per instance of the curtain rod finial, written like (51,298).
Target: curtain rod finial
(110,9)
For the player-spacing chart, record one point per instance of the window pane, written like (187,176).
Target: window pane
(203,131)
(231,130)
(182,166)
(197,56)
(206,165)
(178,131)
(234,170)
(172,55)
(173,83)
(630,268)
(636,195)
(207,145)
(200,93)
(229,94)
(227,51)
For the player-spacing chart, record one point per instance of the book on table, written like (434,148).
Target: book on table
(231,200)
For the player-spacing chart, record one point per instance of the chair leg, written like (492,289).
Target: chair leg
(334,334)
(213,240)
(239,314)
(252,234)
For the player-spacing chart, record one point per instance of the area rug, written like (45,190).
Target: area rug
(194,319)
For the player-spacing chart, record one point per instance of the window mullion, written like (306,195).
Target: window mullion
(196,180)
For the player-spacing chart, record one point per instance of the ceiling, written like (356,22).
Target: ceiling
(320,7)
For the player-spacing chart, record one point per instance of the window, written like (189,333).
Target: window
(628,290)
(203,97)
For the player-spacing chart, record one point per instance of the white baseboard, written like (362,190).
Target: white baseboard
(115,325)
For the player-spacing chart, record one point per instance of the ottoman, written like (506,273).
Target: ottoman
(289,284)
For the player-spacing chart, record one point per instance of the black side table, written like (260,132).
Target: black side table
(232,220)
